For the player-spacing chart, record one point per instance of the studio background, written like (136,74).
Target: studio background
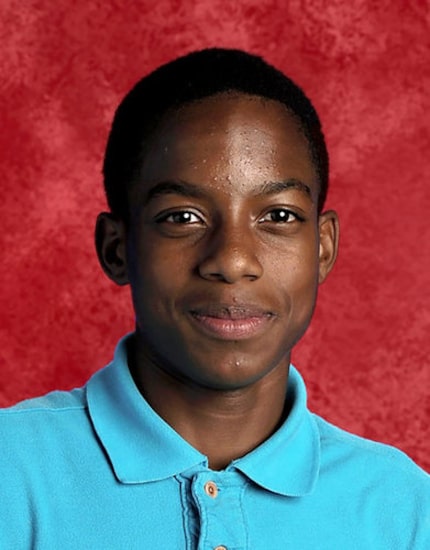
(366,66)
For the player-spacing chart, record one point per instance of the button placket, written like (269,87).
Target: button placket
(218,497)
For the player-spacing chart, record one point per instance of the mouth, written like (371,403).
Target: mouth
(226,322)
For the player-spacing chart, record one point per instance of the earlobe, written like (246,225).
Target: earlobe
(328,225)
(110,240)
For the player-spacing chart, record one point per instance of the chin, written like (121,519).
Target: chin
(236,373)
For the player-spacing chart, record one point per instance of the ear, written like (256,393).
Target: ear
(328,225)
(110,236)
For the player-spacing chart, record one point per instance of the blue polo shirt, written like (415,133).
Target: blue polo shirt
(97,468)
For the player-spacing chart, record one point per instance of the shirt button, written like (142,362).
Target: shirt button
(212,490)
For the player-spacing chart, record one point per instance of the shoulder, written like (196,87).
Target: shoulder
(42,443)
(40,437)
(349,447)
(379,486)
(35,423)
(54,401)
(373,472)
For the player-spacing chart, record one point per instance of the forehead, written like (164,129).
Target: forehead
(234,138)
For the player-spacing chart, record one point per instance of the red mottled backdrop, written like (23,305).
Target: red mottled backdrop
(366,65)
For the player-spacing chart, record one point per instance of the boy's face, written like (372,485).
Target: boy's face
(225,248)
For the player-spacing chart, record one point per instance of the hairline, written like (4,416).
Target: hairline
(193,78)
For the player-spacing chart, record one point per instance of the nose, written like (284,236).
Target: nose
(230,256)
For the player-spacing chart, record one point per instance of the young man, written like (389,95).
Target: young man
(197,435)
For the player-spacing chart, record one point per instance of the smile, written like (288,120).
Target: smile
(231,322)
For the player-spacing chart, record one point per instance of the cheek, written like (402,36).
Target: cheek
(156,276)
(295,275)
(304,299)
(295,263)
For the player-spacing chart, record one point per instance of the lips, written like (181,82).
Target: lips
(231,322)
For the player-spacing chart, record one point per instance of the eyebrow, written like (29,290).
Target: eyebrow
(178,187)
(275,187)
(186,189)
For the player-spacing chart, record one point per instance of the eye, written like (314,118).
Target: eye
(280,215)
(180,217)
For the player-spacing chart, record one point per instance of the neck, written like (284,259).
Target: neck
(221,424)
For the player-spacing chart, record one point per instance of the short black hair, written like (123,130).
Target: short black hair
(193,77)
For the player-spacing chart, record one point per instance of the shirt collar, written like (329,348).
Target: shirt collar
(288,462)
(142,447)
